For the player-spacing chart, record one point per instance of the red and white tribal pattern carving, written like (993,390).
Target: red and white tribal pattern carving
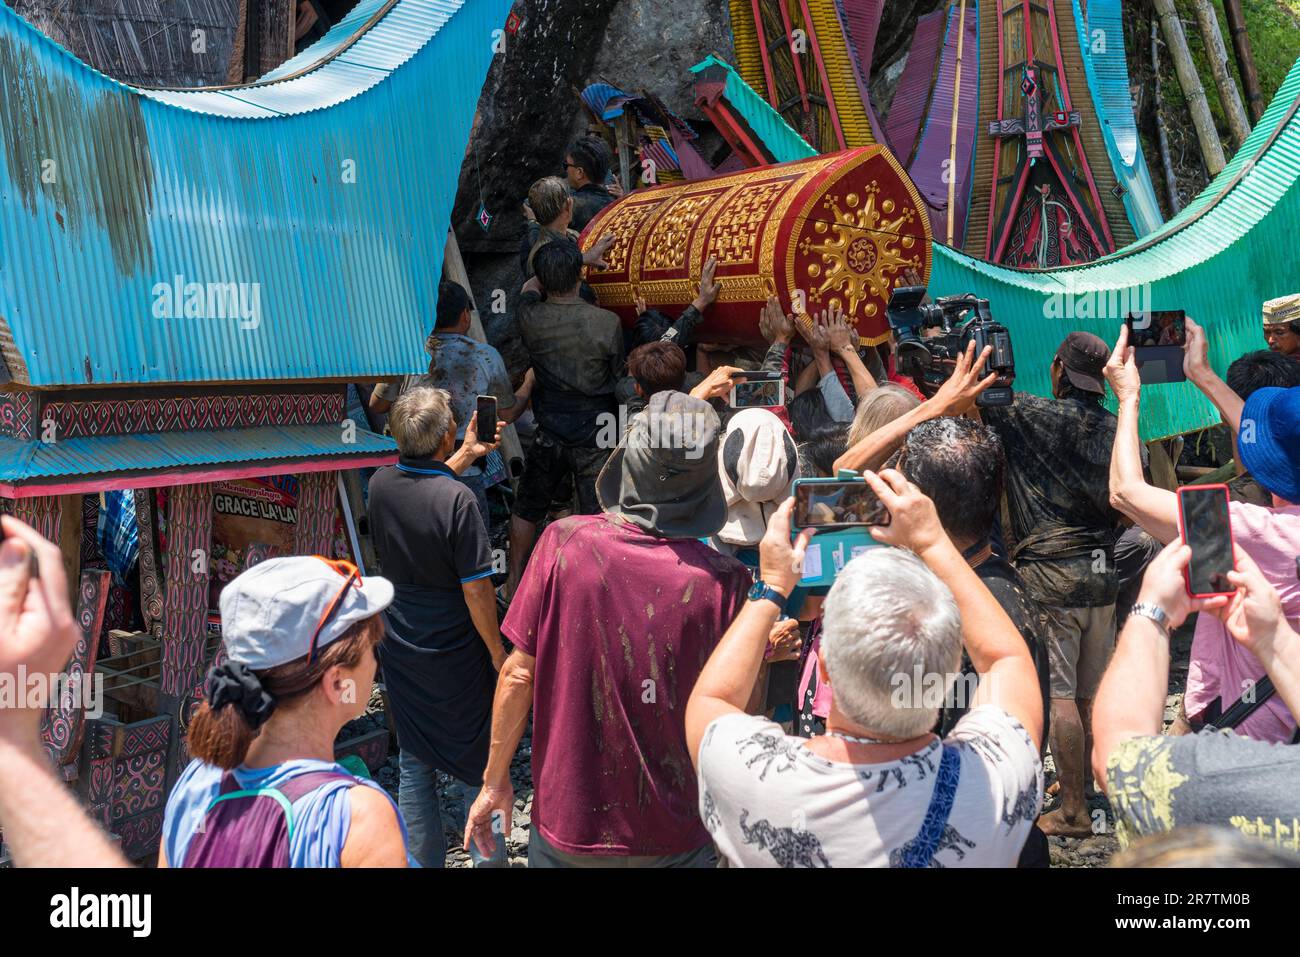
(316,494)
(74,419)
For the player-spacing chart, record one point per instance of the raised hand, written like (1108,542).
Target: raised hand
(709,287)
(1196,352)
(958,394)
(718,383)
(1121,369)
(780,562)
(595,256)
(914,522)
(774,324)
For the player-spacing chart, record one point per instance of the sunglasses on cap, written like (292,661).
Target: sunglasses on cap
(351,578)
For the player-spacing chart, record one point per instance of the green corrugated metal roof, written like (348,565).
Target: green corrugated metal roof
(770,127)
(1229,250)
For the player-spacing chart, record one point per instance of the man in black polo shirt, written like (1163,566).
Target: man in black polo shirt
(442,644)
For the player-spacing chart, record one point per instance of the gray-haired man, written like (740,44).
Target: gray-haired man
(877,789)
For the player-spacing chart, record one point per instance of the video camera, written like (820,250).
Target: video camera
(929,360)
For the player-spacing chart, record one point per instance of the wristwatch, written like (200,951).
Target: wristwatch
(1154,612)
(761,589)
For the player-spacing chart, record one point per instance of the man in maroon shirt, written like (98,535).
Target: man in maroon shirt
(614,619)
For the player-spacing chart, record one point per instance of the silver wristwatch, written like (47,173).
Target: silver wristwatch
(1157,614)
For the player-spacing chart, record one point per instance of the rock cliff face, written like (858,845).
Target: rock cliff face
(529,108)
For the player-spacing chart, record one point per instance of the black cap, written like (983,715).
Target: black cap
(1084,357)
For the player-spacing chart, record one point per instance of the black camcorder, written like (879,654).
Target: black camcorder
(929,360)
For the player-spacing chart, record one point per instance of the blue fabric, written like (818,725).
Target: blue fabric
(322,818)
(118,533)
(920,851)
(1269,442)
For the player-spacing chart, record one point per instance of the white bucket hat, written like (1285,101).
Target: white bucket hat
(758,463)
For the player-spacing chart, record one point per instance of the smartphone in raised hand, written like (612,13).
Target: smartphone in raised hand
(486,407)
(763,394)
(1206,525)
(833,503)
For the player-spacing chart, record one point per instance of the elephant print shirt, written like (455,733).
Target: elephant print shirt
(770,802)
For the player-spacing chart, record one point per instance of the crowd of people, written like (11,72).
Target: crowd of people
(691,703)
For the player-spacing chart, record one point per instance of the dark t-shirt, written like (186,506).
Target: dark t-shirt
(430,538)
(1058,489)
(1030,620)
(621,623)
(587,202)
(576,350)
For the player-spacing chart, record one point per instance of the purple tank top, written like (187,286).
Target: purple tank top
(252,827)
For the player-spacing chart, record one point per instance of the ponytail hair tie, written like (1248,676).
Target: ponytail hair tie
(233,683)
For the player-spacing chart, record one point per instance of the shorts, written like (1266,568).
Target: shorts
(545,468)
(1079,643)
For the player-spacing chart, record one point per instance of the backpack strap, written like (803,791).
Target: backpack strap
(920,850)
(286,795)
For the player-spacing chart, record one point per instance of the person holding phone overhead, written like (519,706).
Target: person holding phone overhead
(1157,782)
(466,369)
(1064,530)
(1266,427)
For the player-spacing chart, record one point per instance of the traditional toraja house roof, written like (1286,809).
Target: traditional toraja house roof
(190,279)
(1040,161)
(1204,260)
(143,42)
(810,59)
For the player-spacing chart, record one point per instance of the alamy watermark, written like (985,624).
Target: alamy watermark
(180,299)
(656,430)
(60,690)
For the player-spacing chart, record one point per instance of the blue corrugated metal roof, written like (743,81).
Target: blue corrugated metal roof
(324,198)
(104,455)
(1102,41)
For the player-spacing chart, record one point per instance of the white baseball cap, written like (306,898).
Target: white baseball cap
(271,613)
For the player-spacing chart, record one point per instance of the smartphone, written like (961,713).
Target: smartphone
(758,395)
(1158,339)
(1204,520)
(486,407)
(1168,328)
(836,503)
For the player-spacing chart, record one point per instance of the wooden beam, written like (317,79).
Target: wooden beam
(1245,58)
(70,542)
(454,265)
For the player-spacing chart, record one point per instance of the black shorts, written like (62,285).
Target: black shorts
(547,464)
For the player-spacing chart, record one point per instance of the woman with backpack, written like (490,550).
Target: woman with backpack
(263,790)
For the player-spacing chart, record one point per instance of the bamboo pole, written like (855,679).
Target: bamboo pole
(1245,59)
(1193,92)
(1162,136)
(952,139)
(1208,22)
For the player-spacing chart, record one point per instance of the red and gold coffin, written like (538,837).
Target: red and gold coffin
(840,229)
